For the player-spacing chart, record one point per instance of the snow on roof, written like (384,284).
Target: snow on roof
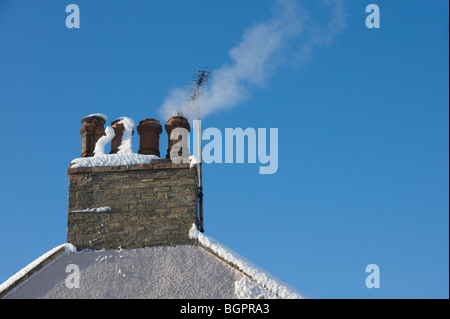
(27,271)
(180,272)
(263,278)
(113,160)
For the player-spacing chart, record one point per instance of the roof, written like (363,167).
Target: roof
(207,270)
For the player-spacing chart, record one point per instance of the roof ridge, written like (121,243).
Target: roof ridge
(22,275)
(254,272)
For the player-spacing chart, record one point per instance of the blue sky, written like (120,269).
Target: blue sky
(363,131)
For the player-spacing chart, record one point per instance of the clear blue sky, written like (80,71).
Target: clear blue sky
(363,123)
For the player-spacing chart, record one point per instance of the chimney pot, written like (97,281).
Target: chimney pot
(117,140)
(149,131)
(91,131)
(176,121)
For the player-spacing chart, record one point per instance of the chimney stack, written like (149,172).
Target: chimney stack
(91,131)
(149,131)
(131,205)
(176,121)
(117,140)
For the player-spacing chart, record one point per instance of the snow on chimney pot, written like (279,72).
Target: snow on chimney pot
(177,114)
(117,140)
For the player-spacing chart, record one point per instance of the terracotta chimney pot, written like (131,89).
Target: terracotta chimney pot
(176,121)
(117,140)
(91,131)
(149,131)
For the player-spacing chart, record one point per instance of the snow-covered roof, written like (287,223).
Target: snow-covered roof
(208,270)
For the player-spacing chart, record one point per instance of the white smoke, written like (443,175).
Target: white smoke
(263,48)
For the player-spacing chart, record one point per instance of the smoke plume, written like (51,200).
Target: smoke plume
(290,34)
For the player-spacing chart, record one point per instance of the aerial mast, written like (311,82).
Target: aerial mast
(200,79)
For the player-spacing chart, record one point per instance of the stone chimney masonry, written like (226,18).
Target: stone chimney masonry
(130,206)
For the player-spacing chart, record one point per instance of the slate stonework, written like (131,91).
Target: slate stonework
(151,205)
